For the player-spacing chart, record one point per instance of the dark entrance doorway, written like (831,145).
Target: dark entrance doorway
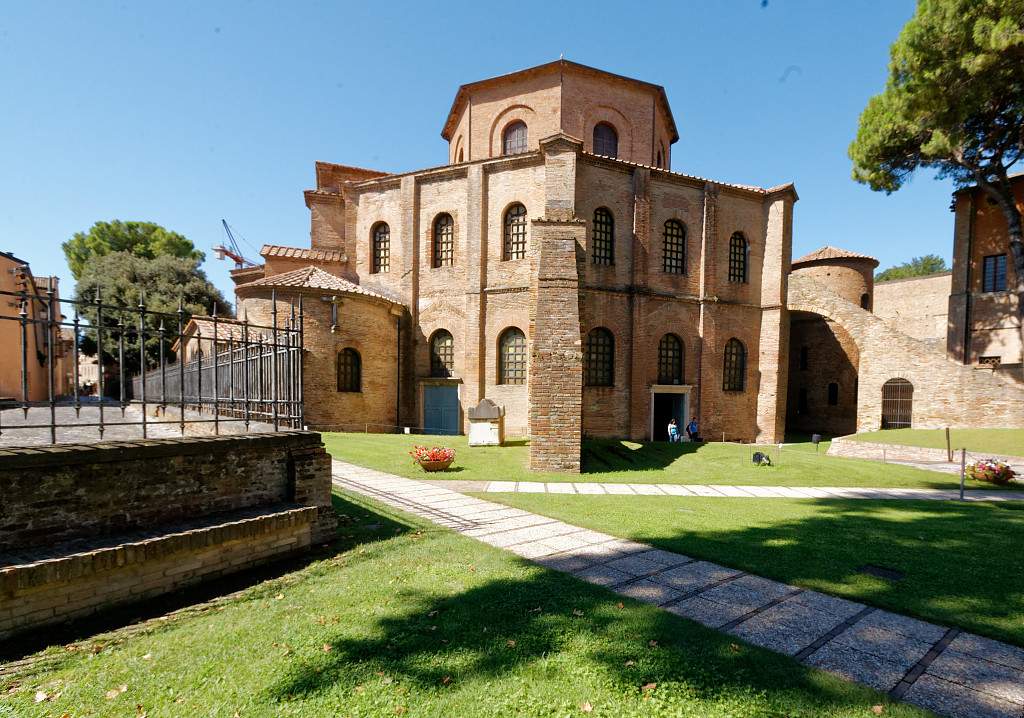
(440,409)
(666,407)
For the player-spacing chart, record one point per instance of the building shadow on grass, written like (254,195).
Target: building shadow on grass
(502,627)
(601,456)
(358,523)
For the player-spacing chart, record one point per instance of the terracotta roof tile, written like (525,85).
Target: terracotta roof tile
(827,252)
(314,255)
(314,278)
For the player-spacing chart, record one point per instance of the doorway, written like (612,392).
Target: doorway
(441,409)
(666,405)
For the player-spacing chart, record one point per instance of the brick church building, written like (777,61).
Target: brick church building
(556,264)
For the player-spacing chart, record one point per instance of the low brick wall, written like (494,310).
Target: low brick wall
(897,452)
(83,528)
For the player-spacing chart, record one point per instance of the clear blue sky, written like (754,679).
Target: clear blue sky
(184,113)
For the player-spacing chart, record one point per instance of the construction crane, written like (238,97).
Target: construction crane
(232,251)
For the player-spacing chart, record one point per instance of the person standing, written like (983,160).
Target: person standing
(673,431)
(691,429)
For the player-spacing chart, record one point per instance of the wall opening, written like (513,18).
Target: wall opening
(897,404)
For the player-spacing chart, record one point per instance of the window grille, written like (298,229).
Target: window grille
(897,404)
(512,357)
(444,241)
(514,139)
(599,358)
(674,255)
(349,370)
(603,237)
(606,140)
(381,248)
(734,368)
(670,360)
(738,251)
(515,232)
(442,353)
(993,274)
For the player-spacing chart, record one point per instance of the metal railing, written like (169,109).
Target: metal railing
(210,370)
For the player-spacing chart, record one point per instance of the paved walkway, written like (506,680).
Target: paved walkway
(761,492)
(947,670)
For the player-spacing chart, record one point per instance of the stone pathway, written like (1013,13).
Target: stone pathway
(760,492)
(947,670)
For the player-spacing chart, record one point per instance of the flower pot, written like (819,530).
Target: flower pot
(436,465)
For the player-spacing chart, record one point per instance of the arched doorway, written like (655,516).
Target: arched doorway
(897,404)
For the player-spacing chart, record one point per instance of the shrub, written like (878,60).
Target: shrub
(990,470)
(435,453)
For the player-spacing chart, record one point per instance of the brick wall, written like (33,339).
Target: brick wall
(897,452)
(918,306)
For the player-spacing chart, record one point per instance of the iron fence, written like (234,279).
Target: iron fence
(205,369)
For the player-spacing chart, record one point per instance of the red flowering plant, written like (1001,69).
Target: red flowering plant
(990,470)
(434,453)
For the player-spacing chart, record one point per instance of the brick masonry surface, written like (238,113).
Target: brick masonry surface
(897,452)
(87,527)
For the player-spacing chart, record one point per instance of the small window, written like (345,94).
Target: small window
(993,273)
(381,248)
(801,401)
(734,369)
(803,357)
(670,360)
(444,241)
(674,255)
(599,358)
(350,370)
(606,140)
(833,394)
(603,237)
(442,353)
(659,163)
(513,140)
(738,252)
(512,357)
(515,232)
(865,302)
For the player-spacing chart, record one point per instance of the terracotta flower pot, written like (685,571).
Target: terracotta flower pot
(435,465)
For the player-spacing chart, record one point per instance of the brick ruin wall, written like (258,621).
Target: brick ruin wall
(88,527)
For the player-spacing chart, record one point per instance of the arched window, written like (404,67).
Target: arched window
(515,232)
(603,237)
(512,357)
(350,370)
(460,158)
(833,394)
(606,140)
(738,251)
(734,366)
(442,353)
(513,139)
(659,163)
(444,241)
(670,360)
(381,247)
(865,302)
(599,358)
(897,404)
(674,255)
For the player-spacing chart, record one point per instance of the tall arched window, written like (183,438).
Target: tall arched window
(599,358)
(865,302)
(606,140)
(674,254)
(603,237)
(670,360)
(444,241)
(515,232)
(513,139)
(738,252)
(897,404)
(460,158)
(512,356)
(381,247)
(660,161)
(734,366)
(442,353)
(350,370)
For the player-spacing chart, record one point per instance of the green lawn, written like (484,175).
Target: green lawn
(962,563)
(996,441)
(629,462)
(406,619)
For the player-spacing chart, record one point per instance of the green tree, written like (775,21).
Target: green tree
(143,239)
(954,103)
(916,267)
(125,280)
